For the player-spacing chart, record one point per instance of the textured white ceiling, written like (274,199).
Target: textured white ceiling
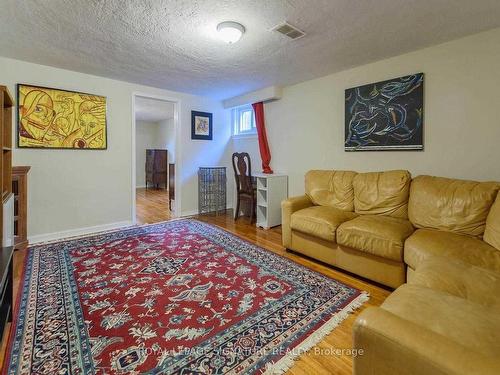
(172,43)
(152,110)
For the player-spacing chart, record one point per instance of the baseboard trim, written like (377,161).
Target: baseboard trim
(189,213)
(77,232)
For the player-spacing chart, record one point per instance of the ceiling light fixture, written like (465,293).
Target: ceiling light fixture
(230,32)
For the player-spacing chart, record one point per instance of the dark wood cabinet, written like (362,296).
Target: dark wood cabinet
(171,185)
(156,168)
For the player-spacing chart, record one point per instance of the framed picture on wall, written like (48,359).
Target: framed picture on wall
(59,119)
(201,125)
(386,115)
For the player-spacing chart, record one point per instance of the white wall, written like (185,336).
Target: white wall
(166,137)
(461,122)
(146,137)
(70,190)
(77,191)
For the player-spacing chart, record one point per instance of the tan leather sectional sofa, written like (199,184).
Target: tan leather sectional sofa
(439,237)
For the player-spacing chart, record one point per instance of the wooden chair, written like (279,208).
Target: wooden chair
(245,186)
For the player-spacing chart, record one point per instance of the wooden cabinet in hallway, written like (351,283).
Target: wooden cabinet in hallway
(156,168)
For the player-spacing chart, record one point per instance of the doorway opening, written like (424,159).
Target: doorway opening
(154,158)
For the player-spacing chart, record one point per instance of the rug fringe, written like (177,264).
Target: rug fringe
(286,362)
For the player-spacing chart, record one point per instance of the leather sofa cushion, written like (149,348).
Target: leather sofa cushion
(451,205)
(382,193)
(464,322)
(427,243)
(383,236)
(320,221)
(492,231)
(460,279)
(331,188)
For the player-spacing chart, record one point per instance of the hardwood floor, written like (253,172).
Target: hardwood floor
(152,206)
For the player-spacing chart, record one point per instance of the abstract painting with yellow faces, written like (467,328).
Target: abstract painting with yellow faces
(51,118)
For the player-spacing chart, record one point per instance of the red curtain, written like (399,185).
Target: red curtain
(265,153)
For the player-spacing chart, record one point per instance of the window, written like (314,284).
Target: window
(243,121)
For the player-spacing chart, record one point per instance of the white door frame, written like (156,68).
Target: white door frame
(177,117)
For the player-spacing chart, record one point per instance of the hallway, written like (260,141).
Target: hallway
(152,205)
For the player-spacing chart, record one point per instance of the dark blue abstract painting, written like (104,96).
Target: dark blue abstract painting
(385,115)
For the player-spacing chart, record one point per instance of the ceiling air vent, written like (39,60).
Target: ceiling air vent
(290,31)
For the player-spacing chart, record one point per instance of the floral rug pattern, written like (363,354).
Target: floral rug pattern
(180,297)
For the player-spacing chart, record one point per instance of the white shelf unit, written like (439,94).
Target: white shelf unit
(272,189)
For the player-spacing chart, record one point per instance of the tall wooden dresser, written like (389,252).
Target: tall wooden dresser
(156,168)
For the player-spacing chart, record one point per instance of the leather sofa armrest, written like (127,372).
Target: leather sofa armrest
(288,207)
(394,346)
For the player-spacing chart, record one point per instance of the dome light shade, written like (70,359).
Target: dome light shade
(230,32)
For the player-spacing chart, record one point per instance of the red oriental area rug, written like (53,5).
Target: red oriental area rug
(180,297)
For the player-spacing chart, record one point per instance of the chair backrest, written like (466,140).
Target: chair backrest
(242,172)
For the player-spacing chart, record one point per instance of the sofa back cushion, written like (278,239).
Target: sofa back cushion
(382,193)
(331,188)
(451,205)
(492,231)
